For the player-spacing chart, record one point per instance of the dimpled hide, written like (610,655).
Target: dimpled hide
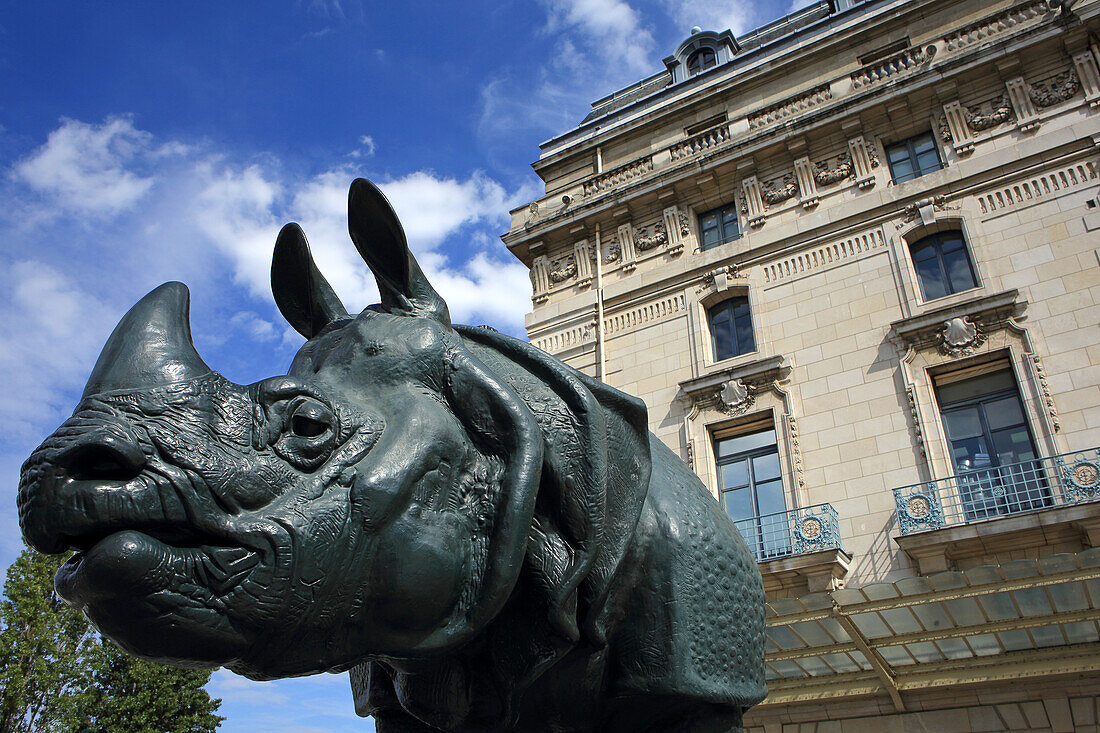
(488,539)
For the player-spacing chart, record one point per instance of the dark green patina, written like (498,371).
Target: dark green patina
(488,539)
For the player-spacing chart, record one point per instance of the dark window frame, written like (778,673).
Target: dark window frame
(909,146)
(722,222)
(937,242)
(768,534)
(697,61)
(995,489)
(739,311)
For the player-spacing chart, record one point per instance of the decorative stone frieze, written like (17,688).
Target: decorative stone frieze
(777,191)
(1089,75)
(823,255)
(754,210)
(825,175)
(563,268)
(961,337)
(1034,188)
(1044,389)
(582,255)
(613,252)
(807,186)
(864,161)
(650,236)
(1059,89)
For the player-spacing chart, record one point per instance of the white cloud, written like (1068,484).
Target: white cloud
(612,29)
(367,147)
(83,167)
(713,15)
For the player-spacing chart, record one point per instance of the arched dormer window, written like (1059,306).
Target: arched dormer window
(701,51)
(702,59)
(731,328)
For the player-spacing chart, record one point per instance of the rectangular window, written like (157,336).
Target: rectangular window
(913,158)
(719,226)
(751,488)
(994,456)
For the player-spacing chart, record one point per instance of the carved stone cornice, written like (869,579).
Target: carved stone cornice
(958,330)
(728,390)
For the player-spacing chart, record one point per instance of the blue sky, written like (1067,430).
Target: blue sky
(145,142)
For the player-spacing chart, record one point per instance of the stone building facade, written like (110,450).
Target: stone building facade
(851,262)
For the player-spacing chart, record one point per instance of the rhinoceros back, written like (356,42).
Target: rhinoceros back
(695,624)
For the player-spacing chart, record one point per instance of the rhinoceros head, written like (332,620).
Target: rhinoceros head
(375,500)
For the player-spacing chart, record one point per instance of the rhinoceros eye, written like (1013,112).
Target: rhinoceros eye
(309,433)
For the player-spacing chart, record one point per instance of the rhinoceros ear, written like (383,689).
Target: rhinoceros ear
(378,236)
(303,295)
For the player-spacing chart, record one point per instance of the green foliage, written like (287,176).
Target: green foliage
(58,676)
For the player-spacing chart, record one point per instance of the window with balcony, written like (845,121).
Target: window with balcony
(943,264)
(751,488)
(913,158)
(731,328)
(719,226)
(994,456)
(701,60)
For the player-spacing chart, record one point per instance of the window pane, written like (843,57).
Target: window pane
(959,274)
(1004,413)
(769,497)
(966,389)
(931,279)
(963,423)
(735,475)
(738,503)
(723,342)
(743,324)
(1013,445)
(971,454)
(923,143)
(765,468)
(743,443)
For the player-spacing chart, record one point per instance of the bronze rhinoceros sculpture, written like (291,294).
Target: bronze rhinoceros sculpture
(487,538)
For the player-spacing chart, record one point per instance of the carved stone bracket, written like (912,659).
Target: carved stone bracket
(807,185)
(754,210)
(540,279)
(675,229)
(926,210)
(583,256)
(1089,75)
(717,281)
(864,159)
(626,243)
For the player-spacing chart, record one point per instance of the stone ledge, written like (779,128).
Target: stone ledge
(937,550)
(819,572)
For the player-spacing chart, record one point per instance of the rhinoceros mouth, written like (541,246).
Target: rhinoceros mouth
(132,562)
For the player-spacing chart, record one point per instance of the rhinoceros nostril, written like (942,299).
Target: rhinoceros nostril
(106,459)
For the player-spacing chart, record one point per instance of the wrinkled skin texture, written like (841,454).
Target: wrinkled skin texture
(487,538)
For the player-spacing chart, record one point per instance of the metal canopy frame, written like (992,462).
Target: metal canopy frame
(1022,619)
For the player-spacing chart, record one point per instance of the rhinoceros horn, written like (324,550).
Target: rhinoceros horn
(151,346)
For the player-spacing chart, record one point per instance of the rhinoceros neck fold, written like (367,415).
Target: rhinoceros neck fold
(151,346)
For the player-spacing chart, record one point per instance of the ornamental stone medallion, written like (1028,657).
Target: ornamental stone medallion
(734,397)
(960,337)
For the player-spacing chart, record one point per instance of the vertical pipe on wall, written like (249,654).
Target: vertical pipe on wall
(599,308)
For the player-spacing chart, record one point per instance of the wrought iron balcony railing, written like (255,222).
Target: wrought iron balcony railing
(985,493)
(795,532)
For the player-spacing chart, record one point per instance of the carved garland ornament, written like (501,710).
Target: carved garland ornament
(649,237)
(824,175)
(1058,89)
(776,193)
(563,268)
